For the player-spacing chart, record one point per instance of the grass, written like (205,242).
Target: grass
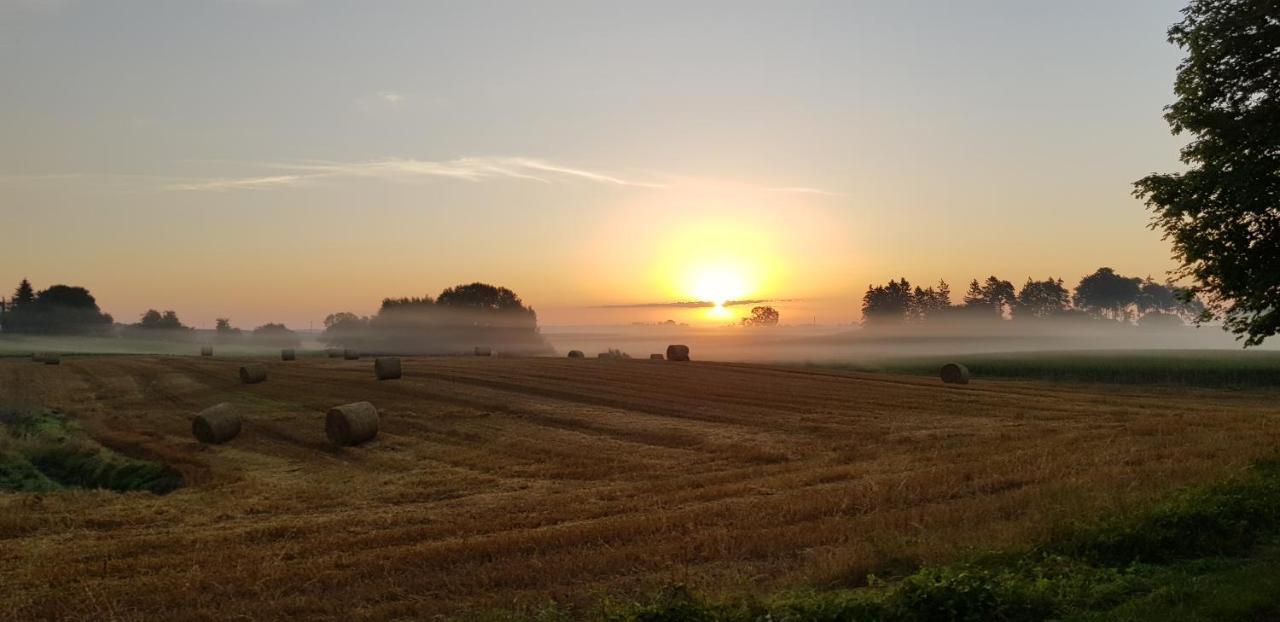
(43,451)
(1211,553)
(1196,368)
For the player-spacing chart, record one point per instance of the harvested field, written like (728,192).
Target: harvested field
(497,483)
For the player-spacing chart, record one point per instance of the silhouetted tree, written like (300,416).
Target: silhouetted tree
(1222,214)
(1042,299)
(929,302)
(345,328)
(1106,294)
(276,335)
(762,316)
(224,332)
(480,296)
(155,320)
(887,304)
(993,294)
(58,309)
(23,295)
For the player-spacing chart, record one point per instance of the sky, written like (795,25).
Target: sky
(280,160)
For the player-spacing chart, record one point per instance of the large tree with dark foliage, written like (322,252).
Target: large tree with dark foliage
(762,316)
(59,309)
(887,304)
(994,294)
(1106,294)
(1042,299)
(1222,214)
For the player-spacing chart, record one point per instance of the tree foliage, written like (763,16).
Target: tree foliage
(993,293)
(1108,295)
(887,304)
(1042,299)
(762,316)
(1222,215)
(60,309)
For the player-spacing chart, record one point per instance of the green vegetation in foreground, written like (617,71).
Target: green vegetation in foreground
(1211,553)
(43,451)
(1195,368)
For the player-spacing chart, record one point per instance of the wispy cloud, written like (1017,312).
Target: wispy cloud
(392,98)
(245,183)
(804,190)
(409,170)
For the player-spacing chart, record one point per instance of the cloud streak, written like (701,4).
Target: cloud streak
(410,170)
(692,304)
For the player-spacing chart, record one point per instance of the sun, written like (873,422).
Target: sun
(718,284)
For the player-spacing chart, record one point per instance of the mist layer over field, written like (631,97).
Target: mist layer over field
(794,344)
(819,344)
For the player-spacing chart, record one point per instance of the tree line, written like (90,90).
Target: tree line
(457,320)
(72,310)
(1103,295)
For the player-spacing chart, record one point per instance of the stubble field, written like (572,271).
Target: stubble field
(504,484)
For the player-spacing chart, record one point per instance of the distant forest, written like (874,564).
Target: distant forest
(460,319)
(1103,295)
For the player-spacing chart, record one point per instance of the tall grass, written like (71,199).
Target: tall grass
(1207,553)
(43,451)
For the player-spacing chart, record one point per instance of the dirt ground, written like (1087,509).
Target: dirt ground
(497,484)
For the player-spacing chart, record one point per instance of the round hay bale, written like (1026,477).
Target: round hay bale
(288,354)
(37,357)
(576,354)
(484,351)
(351,355)
(206,351)
(333,353)
(387,367)
(216,424)
(252,374)
(954,373)
(50,359)
(657,357)
(677,353)
(351,424)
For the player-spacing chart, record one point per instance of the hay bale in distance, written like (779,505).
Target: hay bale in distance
(216,424)
(252,373)
(954,373)
(677,353)
(351,424)
(576,354)
(50,359)
(387,367)
(351,355)
(657,357)
(288,354)
(206,351)
(333,353)
(484,351)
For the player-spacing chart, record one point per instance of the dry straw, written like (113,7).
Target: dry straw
(576,354)
(216,424)
(954,373)
(288,354)
(677,352)
(206,351)
(253,374)
(333,353)
(351,424)
(387,367)
(484,351)
(657,357)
